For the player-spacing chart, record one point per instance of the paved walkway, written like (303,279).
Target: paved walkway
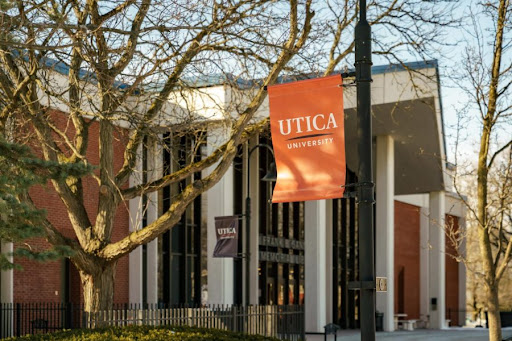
(451,334)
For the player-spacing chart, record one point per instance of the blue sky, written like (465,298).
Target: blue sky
(454,99)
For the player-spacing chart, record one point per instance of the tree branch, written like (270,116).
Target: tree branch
(171,217)
(508,144)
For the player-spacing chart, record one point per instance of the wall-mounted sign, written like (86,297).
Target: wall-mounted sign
(308,137)
(226,229)
(266,256)
(381,284)
(283,243)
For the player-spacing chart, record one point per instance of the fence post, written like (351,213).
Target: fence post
(18,319)
(68,315)
(140,317)
(2,322)
(233,318)
(84,320)
(303,322)
(189,317)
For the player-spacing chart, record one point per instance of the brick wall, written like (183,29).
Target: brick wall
(42,282)
(407,264)
(452,275)
(407,260)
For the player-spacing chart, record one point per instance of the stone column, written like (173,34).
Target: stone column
(220,203)
(385,226)
(6,277)
(6,293)
(155,170)
(328,262)
(424,261)
(315,265)
(135,257)
(437,260)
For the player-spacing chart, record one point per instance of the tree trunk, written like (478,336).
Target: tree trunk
(99,287)
(493,313)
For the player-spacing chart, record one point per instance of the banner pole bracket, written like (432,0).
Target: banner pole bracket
(361,285)
(353,194)
(359,184)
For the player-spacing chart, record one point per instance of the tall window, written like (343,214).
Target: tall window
(345,259)
(180,268)
(281,243)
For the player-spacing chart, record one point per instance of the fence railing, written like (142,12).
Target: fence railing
(284,322)
(17,319)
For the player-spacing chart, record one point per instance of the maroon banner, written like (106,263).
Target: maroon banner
(226,229)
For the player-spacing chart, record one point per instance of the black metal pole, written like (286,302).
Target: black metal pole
(247,241)
(363,63)
(248,230)
(248,220)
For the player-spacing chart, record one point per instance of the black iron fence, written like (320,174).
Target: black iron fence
(505,317)
(17,319)
(462,317)
(456,317)
(285,322)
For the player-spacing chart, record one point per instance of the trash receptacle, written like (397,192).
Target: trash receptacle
(379,321)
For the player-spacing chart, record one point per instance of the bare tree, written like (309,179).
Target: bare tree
(110,54)
(131,70)
(401,30)
(485,76)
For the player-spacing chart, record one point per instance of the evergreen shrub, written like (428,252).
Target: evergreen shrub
(145,333)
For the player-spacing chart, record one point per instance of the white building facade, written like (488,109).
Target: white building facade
(306,253)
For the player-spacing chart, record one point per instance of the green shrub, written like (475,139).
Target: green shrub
(145,333)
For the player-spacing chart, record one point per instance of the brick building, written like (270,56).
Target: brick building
(59,281)
(304,252)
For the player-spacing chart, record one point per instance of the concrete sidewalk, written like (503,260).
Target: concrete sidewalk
(450,334)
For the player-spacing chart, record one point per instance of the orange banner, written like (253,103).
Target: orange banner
(308,137)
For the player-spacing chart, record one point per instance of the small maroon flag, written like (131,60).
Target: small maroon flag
(226,229)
